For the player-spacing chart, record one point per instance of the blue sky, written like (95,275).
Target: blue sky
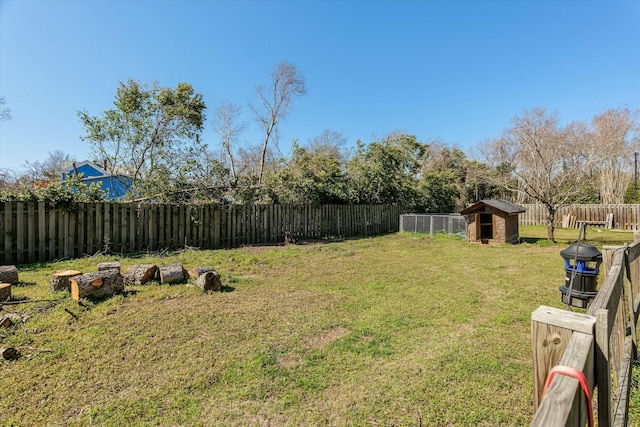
(453,70)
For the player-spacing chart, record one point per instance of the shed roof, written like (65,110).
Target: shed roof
(502,205)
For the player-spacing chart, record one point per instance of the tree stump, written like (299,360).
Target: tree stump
(140,274)
(100,284)
(5,291)
(109,265)
(174,273)
(209,281)
(8,274)
(8,353)
(60,280)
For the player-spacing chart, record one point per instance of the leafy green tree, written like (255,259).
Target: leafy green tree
(148,135)
(385,171)
(439,192)
(246,187)
(310,176)
(58,194)
(633,193)
(441,177)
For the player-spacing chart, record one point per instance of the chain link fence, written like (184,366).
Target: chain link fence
(433,223)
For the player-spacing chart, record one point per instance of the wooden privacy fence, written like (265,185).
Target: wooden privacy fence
(32,232)
(625,217)
(601,343)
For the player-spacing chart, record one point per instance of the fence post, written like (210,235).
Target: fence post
(607,259)
(551,330)
(603,369)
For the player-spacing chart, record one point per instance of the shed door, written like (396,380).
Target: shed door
(486,226)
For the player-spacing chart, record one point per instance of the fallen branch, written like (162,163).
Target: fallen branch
(75,316)
(35,351)
(41,350)
(28,301)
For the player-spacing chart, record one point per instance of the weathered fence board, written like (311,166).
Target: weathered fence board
(34,232)
(625,216)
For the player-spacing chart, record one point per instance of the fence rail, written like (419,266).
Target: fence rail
(604,351)
(35,232)
(625,217)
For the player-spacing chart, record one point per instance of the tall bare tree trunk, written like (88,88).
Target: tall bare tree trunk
(550,227)
(264,151)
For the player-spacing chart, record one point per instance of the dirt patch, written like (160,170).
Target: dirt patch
(313,343)
(289,361)
(319,341)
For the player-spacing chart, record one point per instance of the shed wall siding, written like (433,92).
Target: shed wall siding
(499,228)
(513,232)
(472,227)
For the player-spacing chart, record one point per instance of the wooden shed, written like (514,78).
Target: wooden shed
(492,221)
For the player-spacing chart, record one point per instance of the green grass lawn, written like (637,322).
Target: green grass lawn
(397,330)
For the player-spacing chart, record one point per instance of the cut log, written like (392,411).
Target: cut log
(60,280)
(140,274)
(174,273)
(109,265)
(8,353)
(8,319)
(198,271)
(5,291)
(8,274)
(209,281)
(99,284)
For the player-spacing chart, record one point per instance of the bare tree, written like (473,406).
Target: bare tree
(615,138)
(329,142)
(5,112)
(10,180)
(543,161)
(226,124)
(275,103)
(51,168)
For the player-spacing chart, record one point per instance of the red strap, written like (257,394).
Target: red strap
(580,376)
